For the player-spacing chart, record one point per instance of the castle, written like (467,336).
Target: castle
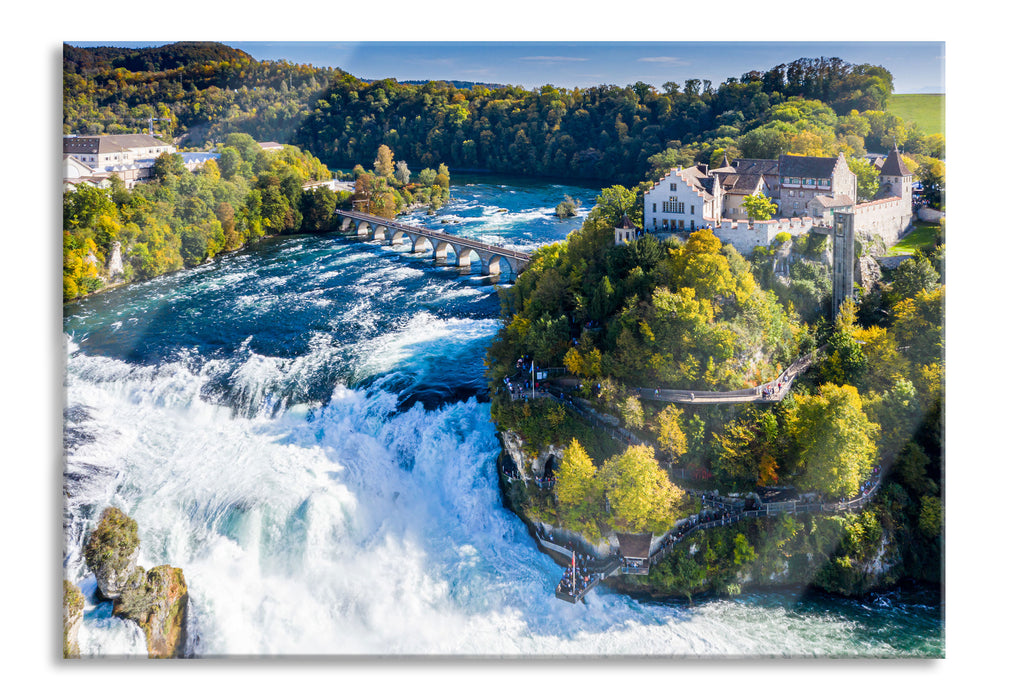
(807,191)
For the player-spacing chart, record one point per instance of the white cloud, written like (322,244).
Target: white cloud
(552,58)
(672,60)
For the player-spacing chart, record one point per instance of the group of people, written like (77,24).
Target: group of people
(574,582)
(769,390)
(870,482)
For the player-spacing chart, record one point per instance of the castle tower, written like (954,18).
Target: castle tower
(895,181)
(625,232)
(844,258)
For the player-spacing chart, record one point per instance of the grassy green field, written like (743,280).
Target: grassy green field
(927,111)
(922,236)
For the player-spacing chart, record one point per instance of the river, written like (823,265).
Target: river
(302,427)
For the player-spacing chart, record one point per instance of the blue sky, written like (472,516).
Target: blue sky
(916,66)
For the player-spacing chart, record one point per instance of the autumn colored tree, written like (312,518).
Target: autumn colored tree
(578,491)
(672,439)
(384,164)
(835,443)
(641,497)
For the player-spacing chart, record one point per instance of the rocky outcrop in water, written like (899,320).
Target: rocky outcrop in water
(157,601)
(111,551)
(73,613)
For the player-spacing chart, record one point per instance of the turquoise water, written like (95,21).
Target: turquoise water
(303,428)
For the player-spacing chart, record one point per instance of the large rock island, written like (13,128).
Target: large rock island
(156,600)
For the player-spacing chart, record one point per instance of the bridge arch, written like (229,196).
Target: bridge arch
(420,243)
(463,255)
(492,264)
(397,237)
(441,249)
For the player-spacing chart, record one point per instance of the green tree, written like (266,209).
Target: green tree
(168,164)
(568,207)
(835,442)
(641,497)
(930,517)
(612,203)
(632,412)
(759,207)
(579,493)
(914,275)
(867,178)
(672,439)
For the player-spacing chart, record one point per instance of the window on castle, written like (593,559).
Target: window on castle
(672,186)
(653,206)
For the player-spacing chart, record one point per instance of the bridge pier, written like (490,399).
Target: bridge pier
(440,250)
(420,243)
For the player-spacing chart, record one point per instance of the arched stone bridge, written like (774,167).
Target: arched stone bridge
(377,228)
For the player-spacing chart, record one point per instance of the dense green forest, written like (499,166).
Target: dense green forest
(813,107)
(200,91)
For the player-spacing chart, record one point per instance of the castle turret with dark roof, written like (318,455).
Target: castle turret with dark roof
(895,179)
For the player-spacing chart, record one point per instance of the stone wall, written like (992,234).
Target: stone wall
(886,218)
(744,236)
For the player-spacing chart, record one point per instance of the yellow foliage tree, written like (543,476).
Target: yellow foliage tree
(642,499)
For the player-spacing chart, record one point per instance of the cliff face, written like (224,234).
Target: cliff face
(73,613)
(157,602)
(528,467)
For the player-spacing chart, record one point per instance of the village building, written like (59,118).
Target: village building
(93,160)
(101,152)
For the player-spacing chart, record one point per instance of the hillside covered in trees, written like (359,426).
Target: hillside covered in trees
(814,107)
(198,90)
(692,315)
